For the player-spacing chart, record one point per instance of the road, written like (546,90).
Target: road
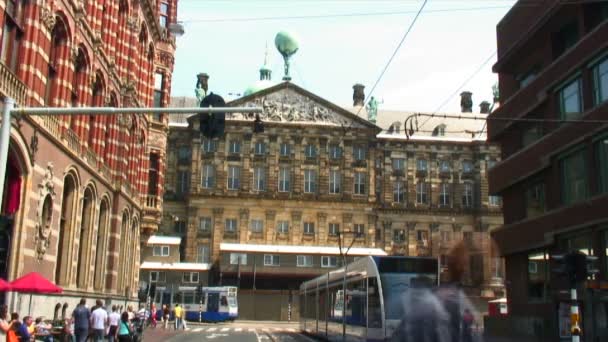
(231,332)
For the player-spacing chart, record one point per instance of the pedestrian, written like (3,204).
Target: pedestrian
(43,330)
(113,321)
(124,328)
(4,324)
(152,315)
(99,321)
(24,329)
(467,326)
(13,332)
(166,315)
(130,313)
(178,316)
(81,317)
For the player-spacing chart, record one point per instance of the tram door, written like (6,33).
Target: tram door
(213,300)
(166,299)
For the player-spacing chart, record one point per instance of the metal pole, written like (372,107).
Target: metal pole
(5,134)
(343,287)
(575,330)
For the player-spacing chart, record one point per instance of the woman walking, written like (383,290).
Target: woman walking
(124,329)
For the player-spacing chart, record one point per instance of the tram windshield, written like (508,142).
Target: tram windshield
(398,275)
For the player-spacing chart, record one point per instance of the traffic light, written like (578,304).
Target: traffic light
(212,125)
(258,124)
(576,266)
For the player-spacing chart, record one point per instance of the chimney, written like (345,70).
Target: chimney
(358,95)
(203,79)
(466,102)
(484,107)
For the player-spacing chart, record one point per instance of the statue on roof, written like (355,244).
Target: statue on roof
(372,110)
(201,87)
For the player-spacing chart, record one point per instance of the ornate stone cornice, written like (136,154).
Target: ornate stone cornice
(411,225)
(296,216)
(218,211)
(270,215)
(47,17)
(322,217)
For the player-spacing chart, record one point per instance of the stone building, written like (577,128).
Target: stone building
(81,190)
(270,209)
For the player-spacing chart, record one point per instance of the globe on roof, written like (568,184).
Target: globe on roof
(286,43)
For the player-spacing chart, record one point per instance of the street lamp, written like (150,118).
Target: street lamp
(343,256)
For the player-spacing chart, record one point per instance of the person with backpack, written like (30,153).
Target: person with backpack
(124,329)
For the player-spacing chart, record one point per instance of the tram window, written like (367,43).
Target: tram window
(356,303)
(200,298)
(322,305)
(374,318)
(224,301)
(232,301)
(188,298)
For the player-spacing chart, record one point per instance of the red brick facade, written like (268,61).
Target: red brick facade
(76,53)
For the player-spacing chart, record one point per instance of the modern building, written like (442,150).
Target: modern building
(553,177)
(269,210)
(81,190)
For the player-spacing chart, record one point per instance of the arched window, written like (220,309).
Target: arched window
(12,33)
(57,54)
(439,131)
(123,255)
(84,244)
(101,245)
(66,225)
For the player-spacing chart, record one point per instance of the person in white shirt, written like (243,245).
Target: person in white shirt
(113,320)
(99,320)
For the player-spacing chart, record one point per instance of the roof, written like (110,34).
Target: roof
(287,249)
(164,240)
(176,266)
(456,129)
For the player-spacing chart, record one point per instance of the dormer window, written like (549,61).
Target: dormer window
(439,131)
(395,128)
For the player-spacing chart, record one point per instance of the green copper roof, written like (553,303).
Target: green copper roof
(257,86)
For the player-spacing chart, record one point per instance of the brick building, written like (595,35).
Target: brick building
(81,190)
(553,176)
(269,206)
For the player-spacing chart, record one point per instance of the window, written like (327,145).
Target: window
(573,177)
(422,236)
(183,182)
(285,150)
(238,258)
(359,153)
(234,147)
(467,237)
(530,135)
(12,33)
(399,236)
(334,181)
(359,229)
(602,159)
(329,261)
(467,195)
(304,261)
(230,225)
(421,165)
(334,228)
(309,228)
(257,226)
(164,14)
(190,277)
(535,199)
(335,152)
(310,151)
(359,183)
(565,38)
(157,277)
(234,177)
(444,166)
(600,81)
(271,260)
(398,192)
(209,145)
(184,153)
(538,275)
(282,227)
(259,148)
(494,201)
(445,236)
(467,166)
(570,100)
(398,164)
(158,91)
(208,181)
(180,227)
(444,195)
(284,178)
(310,181)
(160,251)
(439,131)
(202,255)
(421,194)
(205,224)
(527,78)
(259,179)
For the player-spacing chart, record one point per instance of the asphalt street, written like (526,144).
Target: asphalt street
(231,332)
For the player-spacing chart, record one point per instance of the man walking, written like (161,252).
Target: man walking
(81,317)
(99,320)
(113,320)
(178,316)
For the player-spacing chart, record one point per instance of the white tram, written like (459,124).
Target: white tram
(212,304)
(374,286)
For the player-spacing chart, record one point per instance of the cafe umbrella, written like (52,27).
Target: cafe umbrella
(33,283)
(4,285)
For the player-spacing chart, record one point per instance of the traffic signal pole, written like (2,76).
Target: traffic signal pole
(575,329)
(9,111)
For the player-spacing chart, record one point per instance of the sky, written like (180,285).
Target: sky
(343,42)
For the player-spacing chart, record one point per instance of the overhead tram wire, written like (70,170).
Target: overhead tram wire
(409,29)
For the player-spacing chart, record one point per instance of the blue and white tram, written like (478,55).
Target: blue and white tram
(374,286)
(217,304)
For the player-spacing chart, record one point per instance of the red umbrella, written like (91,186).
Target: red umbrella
(4,285)
(33,283)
